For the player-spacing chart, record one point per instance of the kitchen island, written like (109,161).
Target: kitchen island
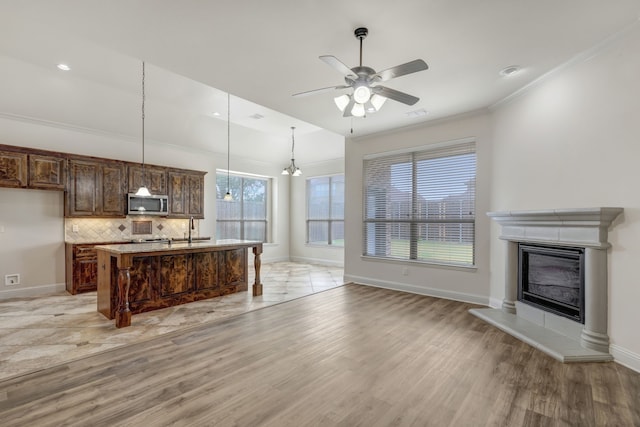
(138,277)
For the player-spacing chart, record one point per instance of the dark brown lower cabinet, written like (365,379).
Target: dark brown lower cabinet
(81,267)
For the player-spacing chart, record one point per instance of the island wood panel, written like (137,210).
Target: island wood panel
(176,274)
(235,271)
(142,275)
(164,279)
(206,271)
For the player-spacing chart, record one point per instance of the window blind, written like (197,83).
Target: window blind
(420,205)
(325,210)
(244,217)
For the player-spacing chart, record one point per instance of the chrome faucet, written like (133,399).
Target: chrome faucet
(192,226)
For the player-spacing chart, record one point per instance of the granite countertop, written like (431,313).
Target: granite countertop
(166,246)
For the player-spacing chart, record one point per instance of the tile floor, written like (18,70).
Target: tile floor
(41,332)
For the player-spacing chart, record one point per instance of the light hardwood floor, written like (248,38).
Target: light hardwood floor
(349,356)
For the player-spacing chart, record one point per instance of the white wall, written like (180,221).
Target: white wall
(571,141)
(455,283)
(31,241)
(300,251)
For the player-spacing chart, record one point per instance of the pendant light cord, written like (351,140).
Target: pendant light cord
(293,142)
(143,99)
(228,137)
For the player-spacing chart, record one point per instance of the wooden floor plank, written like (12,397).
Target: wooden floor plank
(349,356)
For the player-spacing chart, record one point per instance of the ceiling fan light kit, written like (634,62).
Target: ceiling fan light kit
(367,96)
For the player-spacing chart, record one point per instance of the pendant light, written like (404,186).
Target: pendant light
(228,197)
(292,169)
(143,191)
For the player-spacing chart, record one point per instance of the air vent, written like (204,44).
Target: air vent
(417,113)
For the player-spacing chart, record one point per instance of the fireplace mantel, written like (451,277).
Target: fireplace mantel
(585,227)
(561,338)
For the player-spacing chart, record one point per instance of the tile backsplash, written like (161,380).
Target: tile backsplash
(90,230)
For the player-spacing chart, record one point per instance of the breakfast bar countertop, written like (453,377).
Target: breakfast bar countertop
(167,246)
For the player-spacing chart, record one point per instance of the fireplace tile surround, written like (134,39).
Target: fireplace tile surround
(561,338)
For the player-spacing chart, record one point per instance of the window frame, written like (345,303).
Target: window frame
(329,220)
(415,223)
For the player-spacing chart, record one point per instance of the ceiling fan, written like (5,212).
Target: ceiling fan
(367,95)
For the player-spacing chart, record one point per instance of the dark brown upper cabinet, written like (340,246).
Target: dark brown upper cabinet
(13,169)
(186,194)
(47,172)
(96,188)
(155,178)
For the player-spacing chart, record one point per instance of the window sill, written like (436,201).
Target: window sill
(316,245)
(471,268)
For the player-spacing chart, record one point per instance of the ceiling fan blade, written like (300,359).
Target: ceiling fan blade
(339,66)
(324,89)
(400,70)
(348,108)
(396,95)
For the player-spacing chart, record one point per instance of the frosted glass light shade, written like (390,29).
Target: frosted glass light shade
(357,110)
(341,101)
(143,192)
(378,101)
(361,94)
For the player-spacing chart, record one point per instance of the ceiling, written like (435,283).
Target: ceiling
(262,52)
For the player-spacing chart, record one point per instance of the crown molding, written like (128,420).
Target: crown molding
(584,56)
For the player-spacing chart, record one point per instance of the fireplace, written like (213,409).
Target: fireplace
(552,279)
(555,281)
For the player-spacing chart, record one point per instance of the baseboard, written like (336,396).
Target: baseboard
(32,291)
(625,357)
(420,290)
(317,261)
(495,303)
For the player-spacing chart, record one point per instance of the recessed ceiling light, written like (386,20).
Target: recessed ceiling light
(63,67)
(216,114)
(509,71)
(417,113)
(257,116)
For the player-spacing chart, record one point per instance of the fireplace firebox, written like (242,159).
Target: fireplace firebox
(551,278)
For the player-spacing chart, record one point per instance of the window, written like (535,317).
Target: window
(325,210)
(245,217)
(420,205)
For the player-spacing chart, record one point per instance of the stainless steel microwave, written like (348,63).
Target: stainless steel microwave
(148,205)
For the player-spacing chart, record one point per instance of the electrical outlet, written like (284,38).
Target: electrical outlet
(405,271)
(1,228)
(75,228)
(12,279)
